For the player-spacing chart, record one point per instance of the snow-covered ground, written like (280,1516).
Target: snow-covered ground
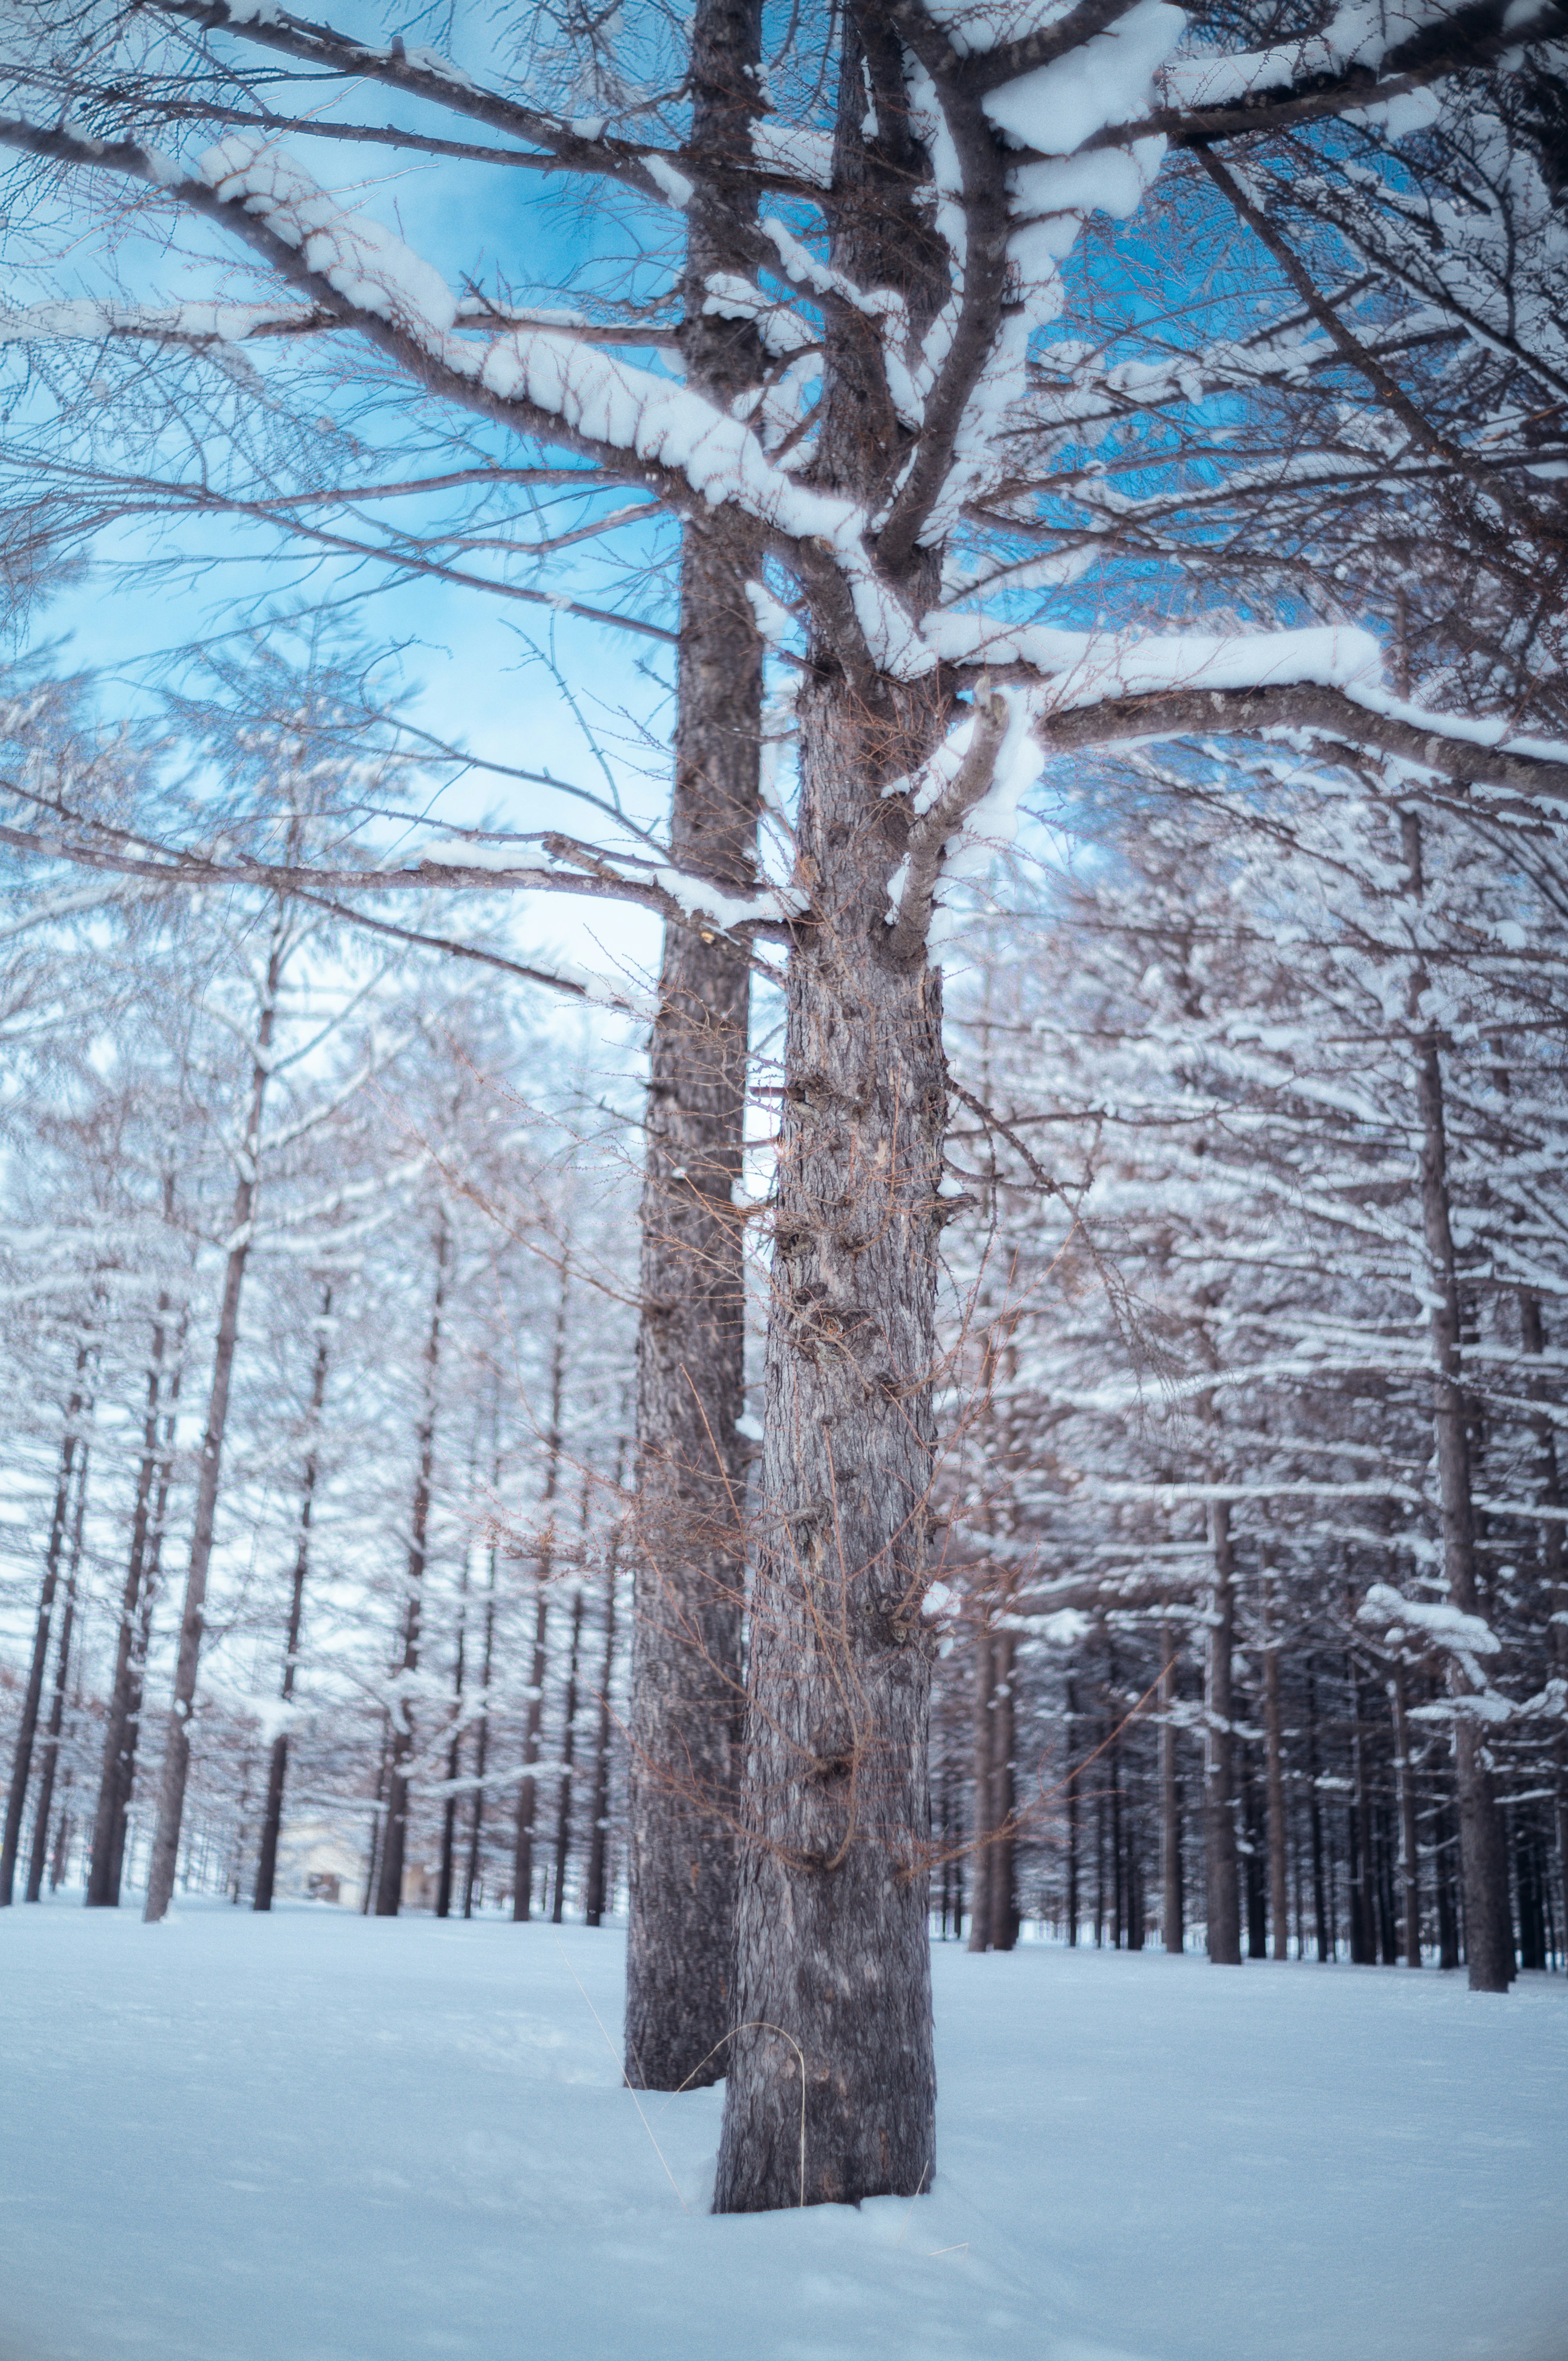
(316,2137)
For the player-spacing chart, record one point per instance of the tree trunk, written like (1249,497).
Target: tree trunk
(528,1789)
(1533,1330)
(596,1899)
(390,1882)
(1320,1929)
(1274,1746)
(27,1731)
(149,1588)
(1071,1783)
(1483,1860)
(271,1826)
(833,1957)
(177,1744)
(454,1760)
(40,1856)
(1004,1895)
(688,1584)
(119,1740)
(1409,1857)
(982,1784)
(1173,1915)
(482,1741)
(1219,1751)
(564,1784)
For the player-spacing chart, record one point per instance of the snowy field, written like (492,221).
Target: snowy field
(316,2137)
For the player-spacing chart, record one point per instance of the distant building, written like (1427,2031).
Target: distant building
(319,1862)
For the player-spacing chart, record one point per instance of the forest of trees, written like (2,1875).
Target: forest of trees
(1019,1380)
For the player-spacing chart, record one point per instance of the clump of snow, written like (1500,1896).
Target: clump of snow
(1108,79)
(1432,1622)
(367,265)
(805,155)
(674,182)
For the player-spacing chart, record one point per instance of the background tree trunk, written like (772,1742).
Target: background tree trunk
(278,1769)
(39,1857)
(563,1780)
(982,1734)
(1219,1751)
(103,1885)
(1173,1913)
(527,1790)
(1488,1932)
(689,1583)
(596,1900)
(177,1744)
(1274,1776)
(32,1696)
(394,1838)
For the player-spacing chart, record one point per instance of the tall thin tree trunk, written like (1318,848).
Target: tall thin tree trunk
(151,1576)
(1274,1774)
(278,1769)
(1003,1898)
(454,1757)
(1218,1751)
(981,1782)
(1322,1929)
(563,1784)
(193,1621)
(687,1593)
(1071,1784)
(1483,1859)
(103,1885)
(1533,1336)
(482,1740)
(1409,1857)
(528,1788)
(40,1856)
(597,1898)
(32,1696)
(1173,1914)
(390,1882)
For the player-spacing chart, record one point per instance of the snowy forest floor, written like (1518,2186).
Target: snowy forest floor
(317,2138)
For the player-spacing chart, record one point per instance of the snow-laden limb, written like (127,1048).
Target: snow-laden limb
(1426,1623)
(182,323)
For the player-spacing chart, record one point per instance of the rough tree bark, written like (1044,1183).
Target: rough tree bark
(177,1743)
(1218,1751)
(27,1731)
(38,1859)
(688,1584)
(390,1877)
(1488,1932)
(277,1768)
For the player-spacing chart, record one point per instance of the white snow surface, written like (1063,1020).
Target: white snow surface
(319,2137)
